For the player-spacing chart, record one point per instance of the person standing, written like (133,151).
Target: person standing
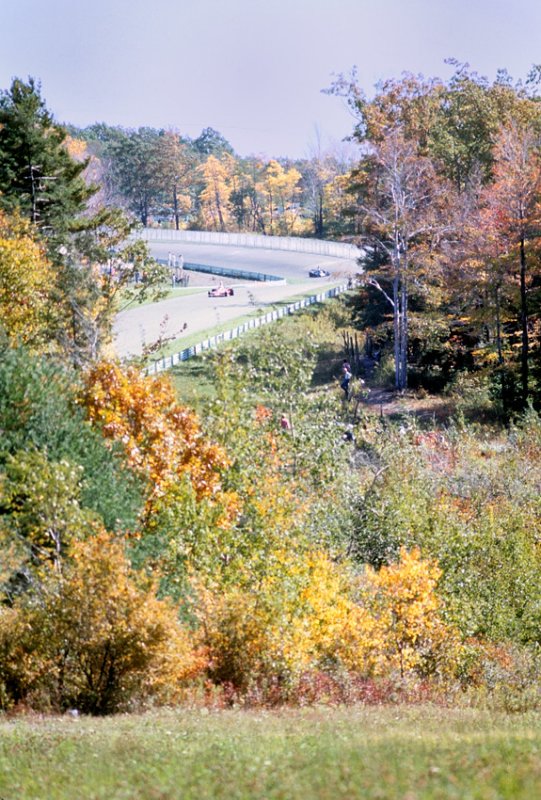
(346,377)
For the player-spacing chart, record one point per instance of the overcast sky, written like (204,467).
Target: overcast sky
(252,69)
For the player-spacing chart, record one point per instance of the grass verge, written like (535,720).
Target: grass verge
(182,291)
(419,753)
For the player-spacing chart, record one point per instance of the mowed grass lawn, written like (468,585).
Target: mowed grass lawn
(394,752)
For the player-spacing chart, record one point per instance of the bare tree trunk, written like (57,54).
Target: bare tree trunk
(144,211)
(175,206)
(404,334)
(524,323)
(498,326)
(219,210)
(396,329)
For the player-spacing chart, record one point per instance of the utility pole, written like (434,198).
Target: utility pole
(36,180)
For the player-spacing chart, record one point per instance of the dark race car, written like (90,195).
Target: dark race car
(221,291)
(319,272)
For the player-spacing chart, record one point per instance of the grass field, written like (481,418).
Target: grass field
(318,753)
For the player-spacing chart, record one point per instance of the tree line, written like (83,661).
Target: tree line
(165,178)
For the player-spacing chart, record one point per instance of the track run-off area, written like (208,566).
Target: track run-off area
(187,314)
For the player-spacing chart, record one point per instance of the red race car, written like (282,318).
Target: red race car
(221,291)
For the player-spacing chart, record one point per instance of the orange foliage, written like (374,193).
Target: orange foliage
(262,414)
(77,148)
(162,439)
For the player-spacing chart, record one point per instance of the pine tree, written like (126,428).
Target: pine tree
(37,175)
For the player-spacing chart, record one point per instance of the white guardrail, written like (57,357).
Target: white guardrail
(291,243)
(167,362)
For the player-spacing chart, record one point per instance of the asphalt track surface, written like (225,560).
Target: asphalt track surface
(282,263)
(142,325)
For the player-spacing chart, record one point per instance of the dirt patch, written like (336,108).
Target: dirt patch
(388,403)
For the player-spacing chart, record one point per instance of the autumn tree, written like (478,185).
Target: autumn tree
(280,187)
(162,440)
(409,632)
(247,196)
(96,637)
(514,201)
(407,216)
(409,103)
(455,122)
(215,197)
(26,280)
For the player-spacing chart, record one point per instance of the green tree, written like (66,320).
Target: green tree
(470,112)
(211,143)
(39,412)
(176,163)
(40,511)
(133,160)
(40,179)
(37,174)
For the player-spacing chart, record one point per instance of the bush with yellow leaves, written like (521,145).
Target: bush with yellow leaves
(94,638)
(410,633)
(162,440)
(307,613)
(295,615)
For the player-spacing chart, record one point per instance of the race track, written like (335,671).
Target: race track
(142,325)
(285,264)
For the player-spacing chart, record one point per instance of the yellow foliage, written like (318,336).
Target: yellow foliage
(275,502)
(77,148)
(280,189)
(306,613)
(216,195)
(96,639)
(26,278)
(407,610)
(337,195)
(19,670)
(301,616)
(327,625)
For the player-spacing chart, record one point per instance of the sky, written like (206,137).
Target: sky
(252,69)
